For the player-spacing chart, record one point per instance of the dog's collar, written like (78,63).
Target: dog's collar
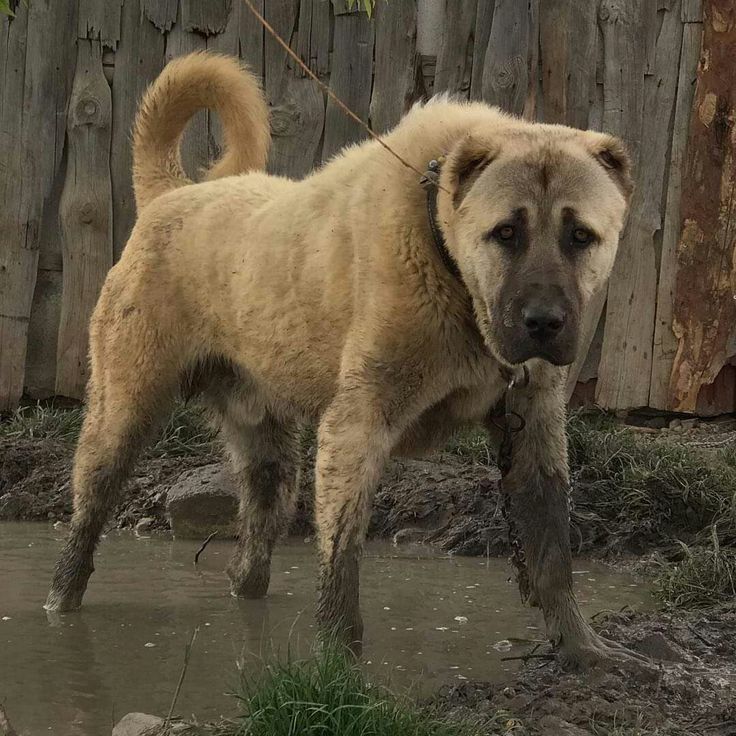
(430,182)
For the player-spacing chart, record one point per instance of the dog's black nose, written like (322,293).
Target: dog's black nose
(543,322)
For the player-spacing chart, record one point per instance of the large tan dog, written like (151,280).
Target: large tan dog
(328,300)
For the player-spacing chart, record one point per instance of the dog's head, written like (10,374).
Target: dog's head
(532,216)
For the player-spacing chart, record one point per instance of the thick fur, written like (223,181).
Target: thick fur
(279,301)
(186,85)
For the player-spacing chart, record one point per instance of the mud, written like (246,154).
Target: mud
(445,503)
(691,694)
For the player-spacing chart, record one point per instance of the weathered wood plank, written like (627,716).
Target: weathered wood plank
(313,44)
(85,214)
(251,37)
(622,30)
(40,370)
(665,341)
(396,64)
(35,50)
(282,15)
(651,25)
(296,126)
(138,61)
(195,152)
(692,11)
(100,20)
(17,263)
(483,24)
(455,56)
(297,103)
(350,80)
(162,13)
(507,81)
(705,310)
(206,18)
(626,357)
(568,39)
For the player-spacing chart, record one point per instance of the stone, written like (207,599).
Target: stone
(409,536)
(144,525)
(554,726)
(202,501)
(138,724)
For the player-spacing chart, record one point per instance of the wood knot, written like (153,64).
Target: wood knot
(87,213)
(88,109)
(507,74)
(284,119)
(611,11)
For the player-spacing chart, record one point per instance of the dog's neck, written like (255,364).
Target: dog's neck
(430,182)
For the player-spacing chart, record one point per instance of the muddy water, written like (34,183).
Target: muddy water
(429,620)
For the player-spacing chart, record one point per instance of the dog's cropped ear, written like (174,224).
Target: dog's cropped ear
(610,152)
(465,162)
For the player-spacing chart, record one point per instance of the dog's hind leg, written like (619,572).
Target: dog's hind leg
(265,460)
(124,405)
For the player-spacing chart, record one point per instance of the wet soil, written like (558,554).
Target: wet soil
(445,503)
(691,694)
(452,505)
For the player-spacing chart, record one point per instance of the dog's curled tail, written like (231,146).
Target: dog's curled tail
(186,85)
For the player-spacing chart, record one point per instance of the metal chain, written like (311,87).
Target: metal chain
(513,424)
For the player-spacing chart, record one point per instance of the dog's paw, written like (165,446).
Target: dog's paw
(593,651)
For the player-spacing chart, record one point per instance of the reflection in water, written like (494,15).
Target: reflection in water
(428,619)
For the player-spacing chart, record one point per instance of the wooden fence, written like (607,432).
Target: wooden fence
(663,334)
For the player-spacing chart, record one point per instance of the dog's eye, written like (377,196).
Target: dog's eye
(581,236)
(504,232)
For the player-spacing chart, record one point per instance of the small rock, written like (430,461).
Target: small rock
(144,525)
(409,536)
(656,646)
(202,501)
(676,424)
(688,424)
(554,726)
(138,724)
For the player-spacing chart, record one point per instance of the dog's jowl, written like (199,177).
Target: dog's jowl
(343,300)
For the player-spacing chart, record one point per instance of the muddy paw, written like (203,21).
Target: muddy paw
(63,602)
(597,652)
(250,583)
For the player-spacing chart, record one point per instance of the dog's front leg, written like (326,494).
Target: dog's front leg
(537,485)
(353,446)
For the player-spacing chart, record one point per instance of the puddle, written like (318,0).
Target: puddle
(429,619)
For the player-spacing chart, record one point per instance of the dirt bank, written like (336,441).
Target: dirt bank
(629,497)
(448,503)
(691,694)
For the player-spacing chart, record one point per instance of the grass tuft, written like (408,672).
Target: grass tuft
(704,576)
(329,695)
(186,433)
(650,491)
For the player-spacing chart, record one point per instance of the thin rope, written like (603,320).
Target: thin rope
(331,94)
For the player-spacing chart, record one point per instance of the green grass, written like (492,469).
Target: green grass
(186,433)
(703,576)
(328,695)
(652,490)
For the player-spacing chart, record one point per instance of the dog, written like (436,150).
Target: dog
(345,300)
